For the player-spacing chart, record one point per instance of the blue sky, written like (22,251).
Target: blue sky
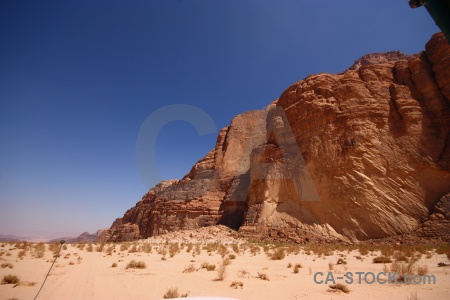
(78,79)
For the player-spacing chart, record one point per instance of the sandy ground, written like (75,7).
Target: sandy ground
(79,274)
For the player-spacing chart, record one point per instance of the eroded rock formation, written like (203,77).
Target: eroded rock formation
(358,155)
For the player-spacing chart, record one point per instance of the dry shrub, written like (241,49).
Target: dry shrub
(136,265)
(21,254)
(124,246)
(255,250)
(243,273)
(208,267)
(235,248)
(330,266)
(297,268)
(278,254)
(90,248)
(381,260)
(341,261)
(114,265)
(133,249)
(146,247)
(221,271)
(289,265)
(171,293)
(402,268)
(39,250)
(263,276)
(237,284)
(422,270)
(231,256)
(7,265)
(27,283)
(189,269)
(173,249)
(10,279)
(339,287)
(100,247)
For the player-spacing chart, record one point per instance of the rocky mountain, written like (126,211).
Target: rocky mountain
(358,155)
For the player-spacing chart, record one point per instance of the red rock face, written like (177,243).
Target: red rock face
(358,155)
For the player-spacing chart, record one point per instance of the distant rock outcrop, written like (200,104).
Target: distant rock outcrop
(353,156)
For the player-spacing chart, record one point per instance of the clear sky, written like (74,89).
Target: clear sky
(78,79)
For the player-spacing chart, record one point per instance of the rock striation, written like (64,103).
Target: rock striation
(359,155)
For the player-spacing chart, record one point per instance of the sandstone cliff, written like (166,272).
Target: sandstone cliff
(353,156)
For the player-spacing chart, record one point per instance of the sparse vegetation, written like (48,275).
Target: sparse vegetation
(171,293)
(330,266)
(297,268)
(422,270)
(278,254)
(114,265)
(7,265)
(221,271)
(208,267)
(10,279)
(403,269)
(237,284)
(136,265)
(381,260)
(263,276)
(189,269)
(339,287)
(289,265)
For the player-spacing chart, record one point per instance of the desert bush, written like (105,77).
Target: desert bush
(39,250)
(330,266)
(255,250)
(422,270)
(173,249)
(339,287)
(237,284)
(189,247)
(289,265)
(133,249)
(124,246)
(381,260)
(100,247)
(278,254)
(222,250)
(146,247)
(235,248)
(403,268)
(90,248)
(221,271)
(136,265)
(71,263)
(208,267)
(363,251)
(189,269)
(263,276)
(114,265)
(231,256)
(10,279)
(171,293)
(341,261)
(21,254)
(297,268)
(7,265)
(54,247)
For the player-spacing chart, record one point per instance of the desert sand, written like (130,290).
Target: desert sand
(85,271)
